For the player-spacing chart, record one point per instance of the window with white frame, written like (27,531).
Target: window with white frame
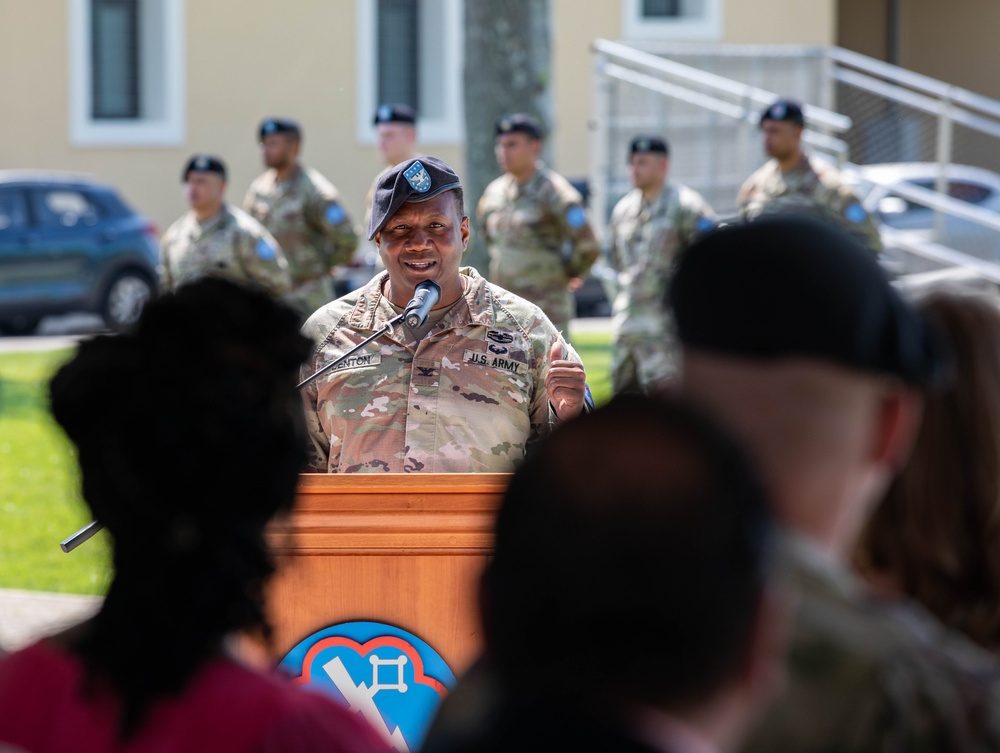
(672,19)
(410,51)
(126,72)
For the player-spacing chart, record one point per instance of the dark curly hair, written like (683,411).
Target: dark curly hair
(190,437)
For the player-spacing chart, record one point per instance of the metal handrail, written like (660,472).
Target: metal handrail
(815,115)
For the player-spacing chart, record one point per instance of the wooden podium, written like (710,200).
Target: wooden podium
(402,549)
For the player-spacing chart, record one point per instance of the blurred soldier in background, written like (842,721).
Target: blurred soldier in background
(648,227)
(537,234)
(214,238)
(303,210)
(396,134)
(793,181)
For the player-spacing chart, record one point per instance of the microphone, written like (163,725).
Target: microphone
(426,295)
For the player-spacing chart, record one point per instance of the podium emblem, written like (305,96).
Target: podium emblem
(394,680)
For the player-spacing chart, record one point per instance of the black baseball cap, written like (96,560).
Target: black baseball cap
(414,181)
(280,125)
(784,109)
(395,113)
(785,287)
(649,145)
(518,122)
(203,163)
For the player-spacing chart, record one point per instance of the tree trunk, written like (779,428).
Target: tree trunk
(507,69)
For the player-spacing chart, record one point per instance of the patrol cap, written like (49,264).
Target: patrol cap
(518,122)
(280,125)
(415,180)
(784,109)
(395,113)
(649,145)
(204,163)
(786,287)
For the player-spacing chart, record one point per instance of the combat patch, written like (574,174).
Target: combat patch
(500,363)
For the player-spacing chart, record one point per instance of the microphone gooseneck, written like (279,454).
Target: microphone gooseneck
(425,297)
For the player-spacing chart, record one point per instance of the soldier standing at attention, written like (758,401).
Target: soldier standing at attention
(469,390)
(648,227)
(792,181)
(396,133)
(303,210)
(537,233)
(215,238)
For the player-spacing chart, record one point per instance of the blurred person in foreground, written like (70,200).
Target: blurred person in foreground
(627,606)
(793,337)
(186,508)
(936,535)
(471,389)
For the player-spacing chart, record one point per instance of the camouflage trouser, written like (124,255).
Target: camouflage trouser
(311,295)
(640,364)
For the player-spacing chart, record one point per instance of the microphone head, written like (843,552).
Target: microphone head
(425,297)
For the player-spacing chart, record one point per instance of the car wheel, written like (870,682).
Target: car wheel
(124,299)
(20,325)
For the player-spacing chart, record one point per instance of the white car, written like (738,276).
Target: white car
(878,186)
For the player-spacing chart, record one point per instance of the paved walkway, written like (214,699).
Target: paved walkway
(28,615)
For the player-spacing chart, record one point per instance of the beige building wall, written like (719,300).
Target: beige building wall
(576,24)
(246,59)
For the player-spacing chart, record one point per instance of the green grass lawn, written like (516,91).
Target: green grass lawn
(40,503)
(39,490)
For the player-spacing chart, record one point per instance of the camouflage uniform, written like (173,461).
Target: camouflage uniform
(644,241)
(538,239)
(230,244)
(812,187)
(865,675)
(468,397)
(307,217)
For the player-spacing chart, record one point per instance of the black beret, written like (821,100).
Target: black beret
(649,144)
(518,122)
(395,113)
(204,163)
(786,287)
(414,181)
(784,109)
(280,125)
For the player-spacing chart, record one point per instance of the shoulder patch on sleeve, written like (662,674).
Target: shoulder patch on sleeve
(334,214)
(265,250)
(576,217)
(855,213)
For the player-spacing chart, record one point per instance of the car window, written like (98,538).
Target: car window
(13,212)
(974,193)
(62,207)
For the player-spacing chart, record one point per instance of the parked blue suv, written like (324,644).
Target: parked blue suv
(69,244)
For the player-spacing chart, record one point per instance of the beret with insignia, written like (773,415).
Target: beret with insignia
(395,113)
(414,181)
(649,145)
(280,125)
(203,163)
(518,122)
(784,109)
(799,287)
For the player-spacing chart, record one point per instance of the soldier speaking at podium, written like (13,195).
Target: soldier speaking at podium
(470,388)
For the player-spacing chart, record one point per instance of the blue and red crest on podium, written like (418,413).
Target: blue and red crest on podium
(391,677)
